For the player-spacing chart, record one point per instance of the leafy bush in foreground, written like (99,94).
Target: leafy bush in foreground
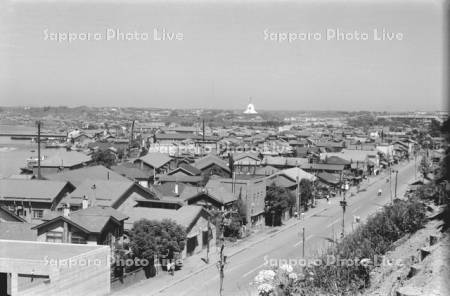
(372,239)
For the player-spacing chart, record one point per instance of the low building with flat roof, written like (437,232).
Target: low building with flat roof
(41,268)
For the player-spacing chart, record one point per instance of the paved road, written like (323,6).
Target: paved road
(324,225)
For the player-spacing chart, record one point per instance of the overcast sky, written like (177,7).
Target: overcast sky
(223,58)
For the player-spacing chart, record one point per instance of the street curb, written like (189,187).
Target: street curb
(286,227)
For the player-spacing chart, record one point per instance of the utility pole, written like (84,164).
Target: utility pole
(207,239)
(39,124)
(390,183)
(221,266)
(222,258)
(415,164)
(298,197)
(343,204)
(203,130)
(396,177)
(303,244)
(130,143)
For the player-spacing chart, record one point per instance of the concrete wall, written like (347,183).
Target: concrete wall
(90,279)
(197,231)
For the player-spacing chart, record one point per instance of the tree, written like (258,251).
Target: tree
(150,238)
(277,200)
(306,192)
(424,167)
(104,157)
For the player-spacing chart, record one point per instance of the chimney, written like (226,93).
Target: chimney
(66,210)
(85,203)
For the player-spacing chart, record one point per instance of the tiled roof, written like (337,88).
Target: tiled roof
(323,166)
(295,172)
(184,216)
(336,160)
(76,177)
(105,193)
(34,190)
(209,160)
(168,189)
(239,156)
(329,178)
(216,192)
(91,220)
(94,219)
(187,168)
(281,181)
(155,159)
(266,171)
(7,212)
(17,231)
(180,178)
(65,158)
(131,171)
(285,161)
(330,144)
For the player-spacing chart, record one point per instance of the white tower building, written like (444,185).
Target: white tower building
(250,108)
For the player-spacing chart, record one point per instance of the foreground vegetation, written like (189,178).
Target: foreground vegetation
(359,249)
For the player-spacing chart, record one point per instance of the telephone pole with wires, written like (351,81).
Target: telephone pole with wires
(39,125)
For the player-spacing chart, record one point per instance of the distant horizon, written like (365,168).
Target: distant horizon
(223,109)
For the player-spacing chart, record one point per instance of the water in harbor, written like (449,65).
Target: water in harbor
(14,153)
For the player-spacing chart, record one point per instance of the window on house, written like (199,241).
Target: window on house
(108,239)
(78,239)
(38,214)
(20,211)
(54,237)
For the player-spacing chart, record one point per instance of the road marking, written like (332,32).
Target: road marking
(332,223)
(253,270)
(300,242)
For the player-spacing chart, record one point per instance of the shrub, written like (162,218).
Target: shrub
(374,238)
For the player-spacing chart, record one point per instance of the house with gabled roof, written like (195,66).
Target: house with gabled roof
(155,161)
(180,178)
(90,225)
(185,170)
(212,165)
(266,170)
(63,160)
(249,189)
(216,197)
(7,215)
(133,172)
(246,162)
(32,199)
(78,176)
(106,193)
(281,162)
(322,167)
(193,218)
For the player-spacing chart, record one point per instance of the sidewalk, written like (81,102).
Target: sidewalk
(194,264)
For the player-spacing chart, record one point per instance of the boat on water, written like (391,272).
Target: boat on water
(56,145)
(21,138)
(33,161)
(43,139)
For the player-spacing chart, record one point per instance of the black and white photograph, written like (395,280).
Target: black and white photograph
(224,147)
